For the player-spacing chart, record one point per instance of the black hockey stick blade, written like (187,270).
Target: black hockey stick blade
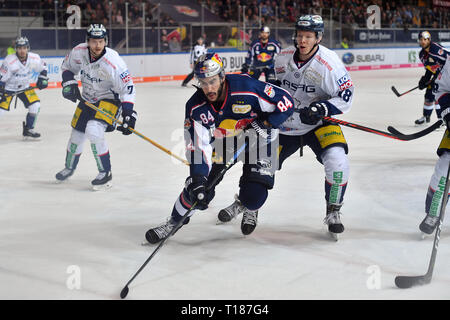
(415,135)
(405,282)
(124,292)
(395,91)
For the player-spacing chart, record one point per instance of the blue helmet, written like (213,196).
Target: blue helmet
(209,65)
(310,23)
(22,42)
(96,31)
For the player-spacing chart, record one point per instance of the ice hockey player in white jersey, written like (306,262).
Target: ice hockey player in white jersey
(320,86)
(437,76)
(16,74)
(198,51)
(107,84)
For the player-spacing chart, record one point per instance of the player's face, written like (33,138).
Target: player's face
(211,87)
(22,52)
(264,36)
(96,46)
(424,42)
(305,42)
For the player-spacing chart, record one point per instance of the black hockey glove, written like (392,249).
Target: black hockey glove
(445,113)
(314,113)
(2,92)
(423,82)
(196,188)
(42,82)
(129,121)
(244,68)
(70,90)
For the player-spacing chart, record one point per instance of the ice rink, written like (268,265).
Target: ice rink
(56,236)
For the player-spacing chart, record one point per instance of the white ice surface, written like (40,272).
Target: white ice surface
(45,228)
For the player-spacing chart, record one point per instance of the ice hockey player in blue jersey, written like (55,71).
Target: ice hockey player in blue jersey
(437,76)
(427,55)
(260,56)
(224,108)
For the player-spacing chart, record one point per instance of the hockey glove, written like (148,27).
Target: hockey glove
(196,188)
(423,82)
(129,121)
(313,114)
(70,90)
(244,68)
(42,82)
(2,92)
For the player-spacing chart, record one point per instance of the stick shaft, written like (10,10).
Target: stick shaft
(90,105)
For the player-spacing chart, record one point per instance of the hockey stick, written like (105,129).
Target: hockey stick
(211,185)
(416,135)
(394,135)
(90,105)
(401,94)
(404,282)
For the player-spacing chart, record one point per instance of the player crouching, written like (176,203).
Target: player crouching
(15,77)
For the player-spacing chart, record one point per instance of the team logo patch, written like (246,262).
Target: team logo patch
(271,48)
(125,76)
(263,57)
(440,52)
(269,91)
(239,108)
(344,83)
(187,124)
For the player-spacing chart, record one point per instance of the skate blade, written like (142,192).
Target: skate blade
(102,187)
(333,236)
(60,181)
(218,222)
(423,235)
(27,138)
(145,243)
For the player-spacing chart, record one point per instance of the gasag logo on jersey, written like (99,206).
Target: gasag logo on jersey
(88,77)
(345,82)
(271,48)
(303,87)
(239,108)
(269,91)
(125,76)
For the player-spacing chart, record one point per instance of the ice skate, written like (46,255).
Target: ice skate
(161,232)
(29,133)
(423,120)
(231,212)
(103,181)
(249,221)
(333,220)
(428,225)
(63,175)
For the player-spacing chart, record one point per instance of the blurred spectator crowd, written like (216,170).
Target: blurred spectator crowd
(394,14)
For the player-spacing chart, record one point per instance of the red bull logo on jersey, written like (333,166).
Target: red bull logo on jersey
(231,127)
(263,57)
